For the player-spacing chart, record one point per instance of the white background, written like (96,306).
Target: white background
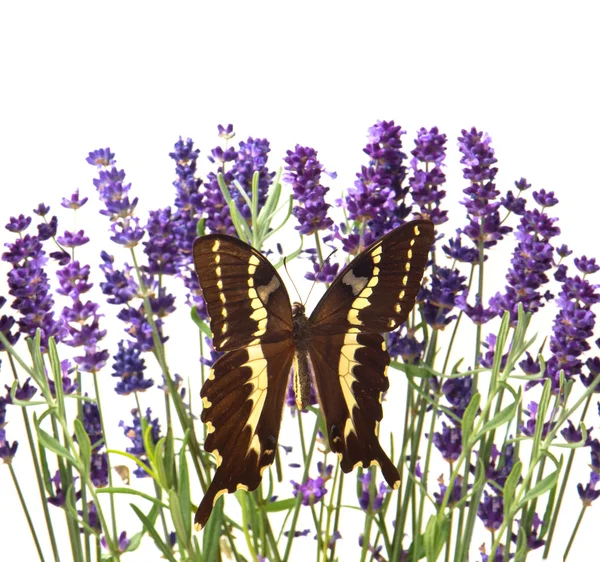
(135,76)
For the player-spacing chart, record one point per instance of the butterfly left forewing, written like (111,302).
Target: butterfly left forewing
(251,320)
(373,294)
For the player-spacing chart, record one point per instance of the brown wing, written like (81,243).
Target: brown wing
(373,294)
(251,319)
(243,401)
(243,293)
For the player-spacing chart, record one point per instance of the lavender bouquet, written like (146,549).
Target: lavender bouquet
(476,396)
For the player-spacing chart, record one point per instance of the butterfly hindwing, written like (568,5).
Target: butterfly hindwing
(349,371)
(373,294)
(243,401)
(243,397)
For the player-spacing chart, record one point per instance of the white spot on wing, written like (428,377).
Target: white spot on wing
(264,291)
(357,284)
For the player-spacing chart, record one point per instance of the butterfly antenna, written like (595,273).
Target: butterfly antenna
(319,272)
(290,278)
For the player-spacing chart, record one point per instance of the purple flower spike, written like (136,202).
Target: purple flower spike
(377,198)
(28,284)
(430,153)
(532,259)
(305,177)
(130,367)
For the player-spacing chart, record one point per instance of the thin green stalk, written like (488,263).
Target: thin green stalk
(113,512)
(402,503)
(38,472)
(575,529)
(247,532)
(84,503)
(25,511)
(307,458)
(563,485)
(338,509)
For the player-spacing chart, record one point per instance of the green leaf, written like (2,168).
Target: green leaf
(469,419)
(543,486)
(202,325)
(212,532)
(504,416)
(183,487)
(85,446)
(52,444)
(510,487)
(435,537)
(159,465)
(149,526)
(179,518)
(281,505)
(200,230)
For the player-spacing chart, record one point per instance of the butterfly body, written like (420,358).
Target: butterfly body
(302,335)
(339,348)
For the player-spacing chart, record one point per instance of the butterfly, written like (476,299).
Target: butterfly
(339,347)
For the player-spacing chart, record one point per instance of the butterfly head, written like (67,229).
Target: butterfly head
(298,309)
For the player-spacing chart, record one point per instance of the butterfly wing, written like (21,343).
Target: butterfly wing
(373,294)
(251,320)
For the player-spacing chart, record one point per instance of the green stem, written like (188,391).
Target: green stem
(113,512)
(575,529)
(25,511)
(38,472)
(563,486)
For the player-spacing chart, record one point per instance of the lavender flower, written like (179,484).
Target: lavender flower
(441,296)
(7,450)
(134,433)
(501,464)
(93,427)
(403,343)
(455,495)
(589,493)
(449,442)
(312,490)
(491,511)
(532,258)
(458,392)
(252,157)
(484,226)
(28,284)
(305,177)
(377,198)
(425,183)
(7,323)
(129,367)
(572,328)
(529,427)
(123,545)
